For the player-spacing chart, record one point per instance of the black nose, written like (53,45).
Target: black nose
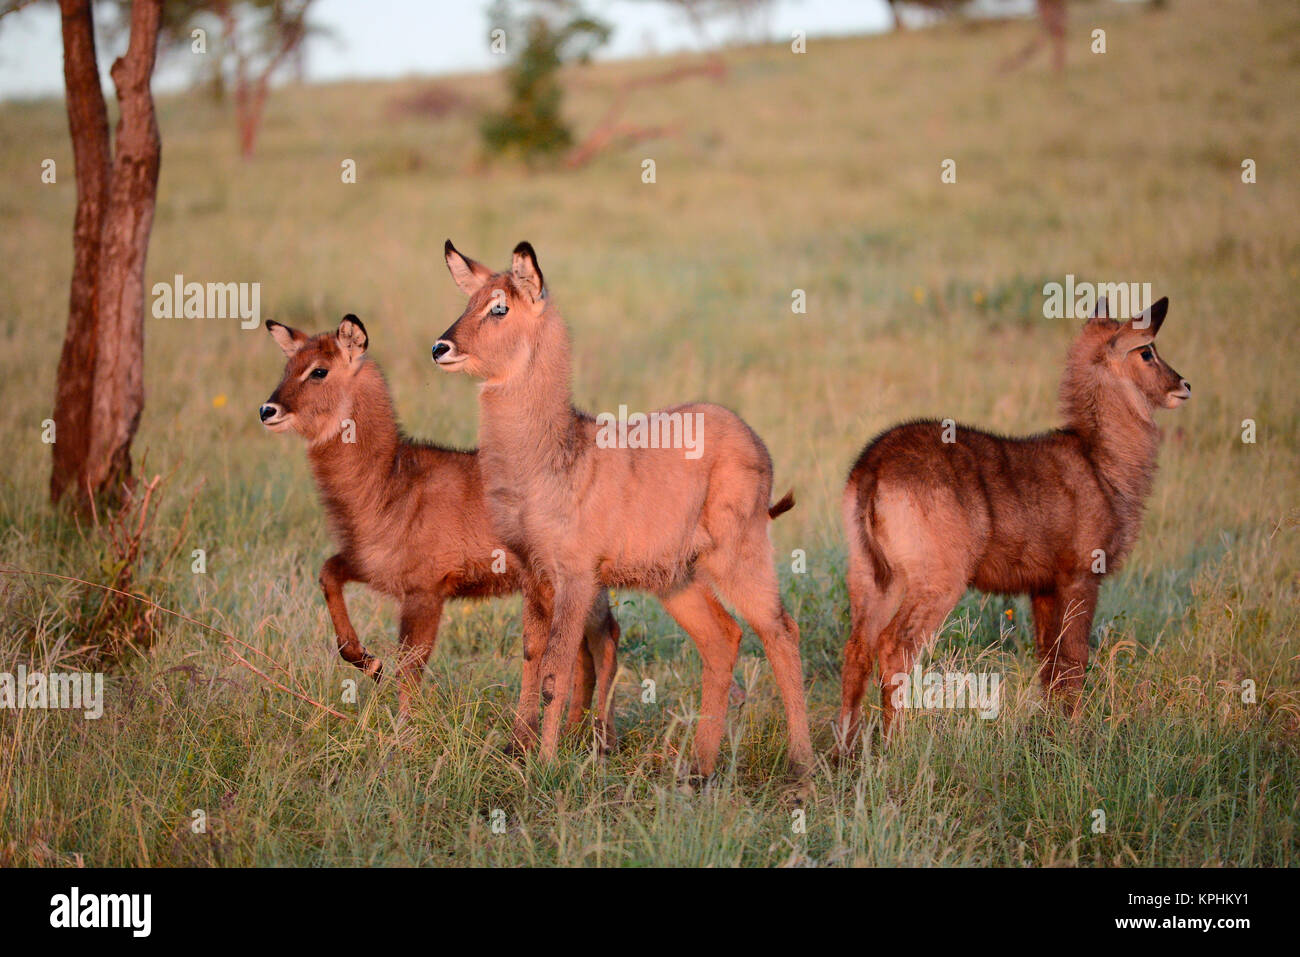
(440,349)
(265,412)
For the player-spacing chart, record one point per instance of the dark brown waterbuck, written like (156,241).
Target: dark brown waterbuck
(409,517)
(688,526)
(931,508)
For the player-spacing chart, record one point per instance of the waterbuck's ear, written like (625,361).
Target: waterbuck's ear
(469,275)
(1102,311)
(352,338)
(523,266)
(1151,318)
(1139,331)
(289,340)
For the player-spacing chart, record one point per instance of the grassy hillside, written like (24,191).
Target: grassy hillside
(818,172)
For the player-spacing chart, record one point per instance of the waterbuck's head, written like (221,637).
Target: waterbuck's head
(1120,360)
(320,379)
(494,337)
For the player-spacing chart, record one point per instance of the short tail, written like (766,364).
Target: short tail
(860,522)
(783,506)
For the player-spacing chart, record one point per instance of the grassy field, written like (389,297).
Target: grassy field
(818,172)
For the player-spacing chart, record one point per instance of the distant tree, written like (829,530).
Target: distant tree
(246,43)
(1052,19)
(259,37)
(554,32)
(944,7)
(748,15)
(99,393)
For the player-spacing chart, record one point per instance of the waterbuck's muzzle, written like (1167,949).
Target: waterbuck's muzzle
(273,415)
(1176,397)
(445,352)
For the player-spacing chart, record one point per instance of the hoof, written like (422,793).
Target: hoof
(520,742)
(694,782)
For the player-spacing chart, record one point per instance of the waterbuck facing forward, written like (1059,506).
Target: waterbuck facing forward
(409,517)
(930,510)
(686,528)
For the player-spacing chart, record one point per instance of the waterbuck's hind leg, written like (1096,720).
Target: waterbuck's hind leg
(717,636)
(871,609)
(753,589)
(921,615)
(336,573)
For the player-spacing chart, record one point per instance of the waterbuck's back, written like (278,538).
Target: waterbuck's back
(641,513)
(1013,514)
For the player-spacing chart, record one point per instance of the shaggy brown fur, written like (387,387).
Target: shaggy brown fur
(409,517)
(686,530)
(1048,515)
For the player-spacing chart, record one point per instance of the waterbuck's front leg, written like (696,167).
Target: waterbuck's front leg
(1062,623)
(537,622)
(336,573)
(421,614)
(570,607)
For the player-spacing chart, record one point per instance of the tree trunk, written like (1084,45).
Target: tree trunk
(88,127)
(101,372)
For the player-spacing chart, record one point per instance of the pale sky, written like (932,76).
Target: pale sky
(391,38)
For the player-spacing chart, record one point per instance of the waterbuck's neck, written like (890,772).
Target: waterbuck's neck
(1119,435)
(353,465)
(527,419)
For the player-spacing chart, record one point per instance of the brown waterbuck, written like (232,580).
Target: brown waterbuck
(687,527)
(409,517)
(932,508)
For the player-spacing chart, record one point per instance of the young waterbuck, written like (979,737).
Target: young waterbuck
(688,526)
(409,517)
(930,510)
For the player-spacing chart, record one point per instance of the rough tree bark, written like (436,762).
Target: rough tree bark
(100,390)
(88,127)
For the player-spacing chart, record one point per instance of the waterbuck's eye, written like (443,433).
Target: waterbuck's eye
(1147,355)
(499,308)
(319,373)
